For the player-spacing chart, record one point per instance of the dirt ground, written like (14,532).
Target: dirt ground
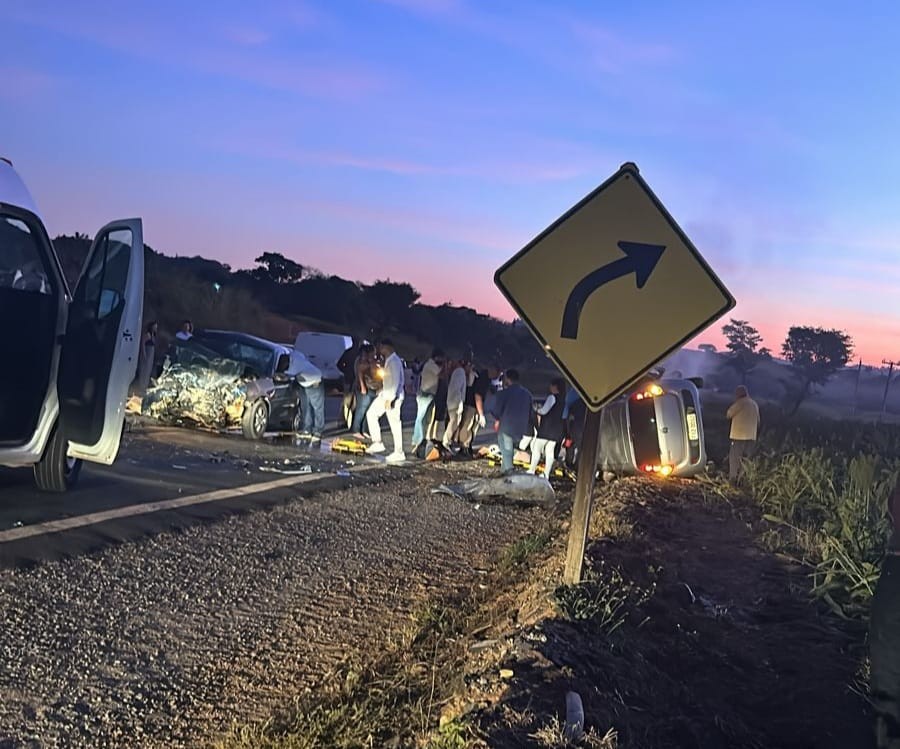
(727,651)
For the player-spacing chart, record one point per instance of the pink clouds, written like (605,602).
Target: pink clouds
(24,83)
(548,168)
(610,52)
(246,35)
(155,39)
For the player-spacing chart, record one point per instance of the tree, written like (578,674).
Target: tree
(389,301)
(743,343)
(815,354)
(276,268)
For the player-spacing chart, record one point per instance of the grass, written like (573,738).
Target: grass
(553,735)
(823,489)
(524,549)
(604,599)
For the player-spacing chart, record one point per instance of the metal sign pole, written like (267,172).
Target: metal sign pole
(584,493)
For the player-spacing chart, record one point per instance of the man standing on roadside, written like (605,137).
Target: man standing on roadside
(512,408)
(388,403)
(884,638)
(744,417)
(456,401)
(312,396)
(475,415)
(428,387)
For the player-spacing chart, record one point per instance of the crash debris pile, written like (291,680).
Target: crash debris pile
(198,387)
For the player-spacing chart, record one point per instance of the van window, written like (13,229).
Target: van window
(22,265)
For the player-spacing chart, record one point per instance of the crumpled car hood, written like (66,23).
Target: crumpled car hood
(200,387)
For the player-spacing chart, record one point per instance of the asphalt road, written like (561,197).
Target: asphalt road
(209,474)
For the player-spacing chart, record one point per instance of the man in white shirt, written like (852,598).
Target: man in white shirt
(744,417)
(428,387)
(312,395)
(456,400)
(388,403)
(186,331)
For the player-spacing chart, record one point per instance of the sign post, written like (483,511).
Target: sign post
(584,495)
(610,289)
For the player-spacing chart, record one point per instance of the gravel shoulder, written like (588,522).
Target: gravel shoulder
(167,641)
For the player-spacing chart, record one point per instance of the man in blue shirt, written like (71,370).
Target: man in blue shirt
(512,408)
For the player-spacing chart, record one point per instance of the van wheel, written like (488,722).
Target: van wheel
(297,421)
(255,420)
(56,471)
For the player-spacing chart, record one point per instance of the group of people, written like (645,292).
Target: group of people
(454,399)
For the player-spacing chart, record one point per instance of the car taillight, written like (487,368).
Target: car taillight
(653,391)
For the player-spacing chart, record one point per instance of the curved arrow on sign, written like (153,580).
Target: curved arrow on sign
(639,259)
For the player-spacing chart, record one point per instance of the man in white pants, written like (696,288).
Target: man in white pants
(388,403)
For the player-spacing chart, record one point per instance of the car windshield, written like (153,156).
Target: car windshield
(259,358)
(21,261)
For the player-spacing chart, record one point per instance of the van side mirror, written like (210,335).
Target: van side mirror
(284,363)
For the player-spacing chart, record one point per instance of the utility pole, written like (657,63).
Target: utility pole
(887,386)
(856,391)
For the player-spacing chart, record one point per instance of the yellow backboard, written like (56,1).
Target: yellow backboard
(613,287)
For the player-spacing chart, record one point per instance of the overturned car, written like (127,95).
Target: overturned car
(222,380)
(656,429)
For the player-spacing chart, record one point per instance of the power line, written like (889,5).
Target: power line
(887,386)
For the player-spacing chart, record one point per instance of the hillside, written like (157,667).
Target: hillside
(280,298)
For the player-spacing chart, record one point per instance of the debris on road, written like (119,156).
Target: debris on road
(574,730)
(288,466)
(519,488)
(301,471)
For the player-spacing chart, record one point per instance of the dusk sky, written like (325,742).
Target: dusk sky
(429,140)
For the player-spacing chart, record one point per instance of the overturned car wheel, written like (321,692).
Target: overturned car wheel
(255,420)
(56,471)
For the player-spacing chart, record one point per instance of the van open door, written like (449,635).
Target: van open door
(102,341)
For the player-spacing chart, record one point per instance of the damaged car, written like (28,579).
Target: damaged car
(227,380)
(70,355)
(656,429)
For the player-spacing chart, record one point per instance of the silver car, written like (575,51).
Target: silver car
(656,430)
(69,356)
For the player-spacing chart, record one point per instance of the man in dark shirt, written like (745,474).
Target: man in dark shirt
(884,639)
(474,414)
(512,408)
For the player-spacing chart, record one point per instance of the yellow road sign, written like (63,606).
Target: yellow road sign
(613,287)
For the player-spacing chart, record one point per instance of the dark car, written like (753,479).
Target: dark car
(221,379)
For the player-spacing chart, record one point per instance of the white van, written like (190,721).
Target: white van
(325,351)
(69,356)
(656,429)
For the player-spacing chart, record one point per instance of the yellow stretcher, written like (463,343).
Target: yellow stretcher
(349,447)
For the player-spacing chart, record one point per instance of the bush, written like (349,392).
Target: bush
(824,487)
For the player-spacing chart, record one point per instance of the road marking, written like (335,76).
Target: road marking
(81,521)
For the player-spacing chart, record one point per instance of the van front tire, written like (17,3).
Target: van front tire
(56,472)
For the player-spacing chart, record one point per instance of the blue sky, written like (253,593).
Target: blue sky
(428,140)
